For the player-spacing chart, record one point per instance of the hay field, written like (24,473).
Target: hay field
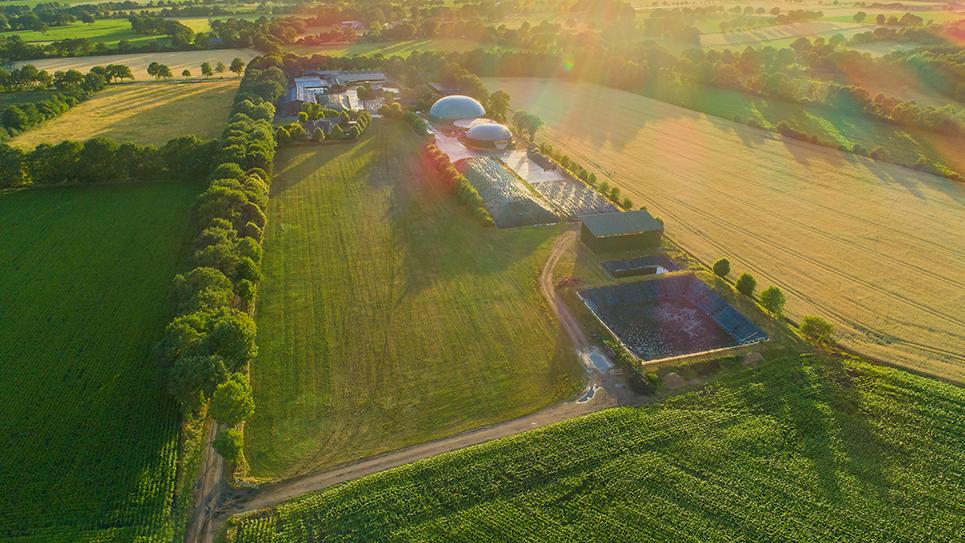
(178,61)
(876,248)
(90,436)
(794,450)
(141,113)
(387,316)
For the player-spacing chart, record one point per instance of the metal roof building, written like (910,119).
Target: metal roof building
(621,231)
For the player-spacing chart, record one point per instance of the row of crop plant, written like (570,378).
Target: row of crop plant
(208,345)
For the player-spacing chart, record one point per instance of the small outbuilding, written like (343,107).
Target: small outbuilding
(621,231)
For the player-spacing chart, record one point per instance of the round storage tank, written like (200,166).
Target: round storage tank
(456,107)
(489,135)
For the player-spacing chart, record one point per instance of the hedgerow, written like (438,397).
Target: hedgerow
(211,340)
(467,194)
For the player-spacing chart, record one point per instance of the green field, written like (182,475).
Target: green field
(89,436)
(902,144)
(387,317)
(141,113)
(107,31)
(795,450)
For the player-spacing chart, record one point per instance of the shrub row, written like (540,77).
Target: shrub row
(577,171)
(103,160)
(467,194)
(211,340)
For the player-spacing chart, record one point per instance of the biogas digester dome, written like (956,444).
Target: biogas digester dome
(489,135)
(456,107)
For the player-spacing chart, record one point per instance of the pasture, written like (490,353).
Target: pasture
(387,316)
(90,436)
(141,113)
(106,31)
(876,248)
(798,449)
(178,61)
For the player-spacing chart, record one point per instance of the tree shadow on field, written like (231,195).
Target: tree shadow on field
(300,163)
(146,111)
(436,237)
(817,403)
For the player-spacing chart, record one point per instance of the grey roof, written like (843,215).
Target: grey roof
(455,107)
(620,224)
(489,132)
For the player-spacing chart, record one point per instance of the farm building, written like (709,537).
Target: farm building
(488,135)
(620,231)
(456,107)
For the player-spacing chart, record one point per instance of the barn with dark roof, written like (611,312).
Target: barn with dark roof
(618,231)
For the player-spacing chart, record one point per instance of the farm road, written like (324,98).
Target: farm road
(610,391)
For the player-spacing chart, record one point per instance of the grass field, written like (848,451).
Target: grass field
(141,113)
(874,247)
(178,61)
(387,317)
(89,435)
(107,31)
(397,48)
(795,450)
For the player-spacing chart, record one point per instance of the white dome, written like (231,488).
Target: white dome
(455,107)
(489,132)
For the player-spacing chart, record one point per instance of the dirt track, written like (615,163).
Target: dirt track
(610,391)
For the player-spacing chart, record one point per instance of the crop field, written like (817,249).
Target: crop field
(795,450)
(178,61)
(107,31)
(387,316)
(89,435)
(141,113)
(792,31)
(396,48)
(844,237)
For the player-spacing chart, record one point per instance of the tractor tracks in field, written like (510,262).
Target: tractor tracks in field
(886,293)
(609,390)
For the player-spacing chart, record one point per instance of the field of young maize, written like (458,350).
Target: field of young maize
(798,449)
(90,437)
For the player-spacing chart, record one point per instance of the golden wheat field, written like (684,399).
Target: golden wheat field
(141,113)
(178,61)
(878,249)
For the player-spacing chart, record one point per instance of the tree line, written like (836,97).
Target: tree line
(445,173)
(101,160)
(206,348)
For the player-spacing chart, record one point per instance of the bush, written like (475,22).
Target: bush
(228,443)
(232,401)
(746,284)
(722,268)
(773,299)
(817,329)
